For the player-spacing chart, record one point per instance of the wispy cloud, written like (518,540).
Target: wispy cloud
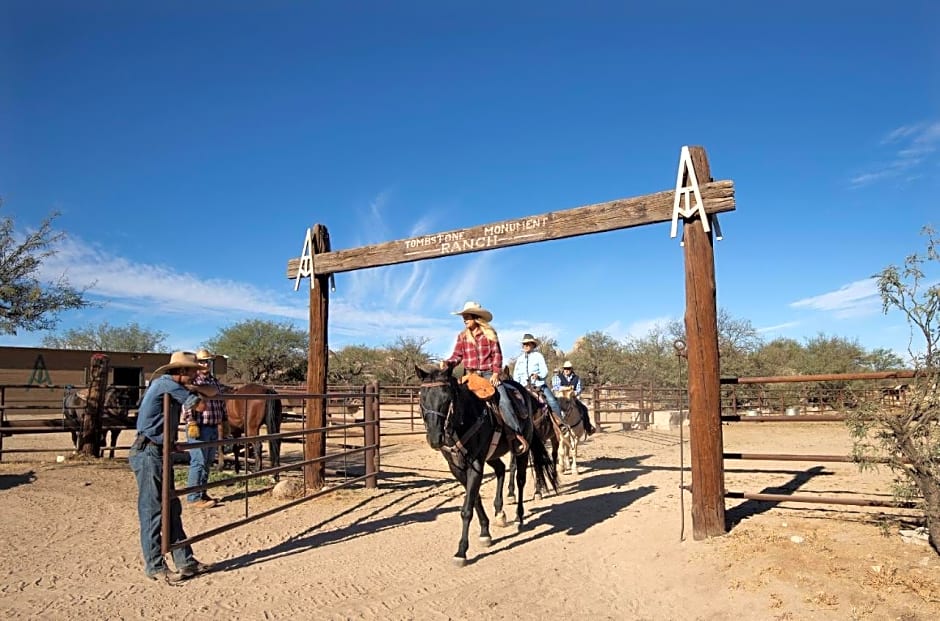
(372,306)
(637,329)
(911,146)
(778,328)
(856,299)
(158,289)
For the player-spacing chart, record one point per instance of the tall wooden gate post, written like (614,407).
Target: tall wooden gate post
(701,328)
(89,442)
(315,443)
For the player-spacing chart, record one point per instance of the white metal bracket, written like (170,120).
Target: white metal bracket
(684,193)
(305,269)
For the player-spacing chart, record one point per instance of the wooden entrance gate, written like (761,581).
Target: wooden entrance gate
(319,262)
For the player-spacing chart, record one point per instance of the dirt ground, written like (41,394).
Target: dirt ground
(614,543)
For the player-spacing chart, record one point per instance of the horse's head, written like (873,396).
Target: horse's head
(436,399)
(73,404)
(117,401)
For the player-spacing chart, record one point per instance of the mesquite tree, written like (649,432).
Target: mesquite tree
(909,433)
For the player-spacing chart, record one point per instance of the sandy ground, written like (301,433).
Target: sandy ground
(609,545)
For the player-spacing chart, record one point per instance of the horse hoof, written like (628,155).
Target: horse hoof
(501,519)
(537,497)
(459,562)
(486,541)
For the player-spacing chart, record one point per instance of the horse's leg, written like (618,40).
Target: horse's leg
(471,477)
(521,467)
(114,438)
(538,486)
(236,451)
(486,540)
(500,469)
(512,477)
(574,456)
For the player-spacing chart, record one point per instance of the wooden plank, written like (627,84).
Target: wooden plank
(718,197)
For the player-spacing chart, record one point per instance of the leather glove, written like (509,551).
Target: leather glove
(192,430)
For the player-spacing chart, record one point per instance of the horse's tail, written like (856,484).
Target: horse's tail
(272,421)
(542,464)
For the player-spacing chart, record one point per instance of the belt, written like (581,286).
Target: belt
(142,441)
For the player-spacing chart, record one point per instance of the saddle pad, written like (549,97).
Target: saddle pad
(479,385)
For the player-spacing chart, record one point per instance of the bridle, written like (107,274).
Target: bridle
(458,449)
(450,410)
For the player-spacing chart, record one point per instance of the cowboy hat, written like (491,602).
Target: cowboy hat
(203,354)
(474,308)
(567,365)
(528,338)
(179,360)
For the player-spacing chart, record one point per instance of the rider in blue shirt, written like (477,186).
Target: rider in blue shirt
(531,370)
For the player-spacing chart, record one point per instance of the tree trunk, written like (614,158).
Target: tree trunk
(89,442)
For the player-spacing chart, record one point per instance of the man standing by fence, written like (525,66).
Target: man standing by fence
(203,427)
(146,460)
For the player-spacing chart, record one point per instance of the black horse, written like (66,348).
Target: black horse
(467,433)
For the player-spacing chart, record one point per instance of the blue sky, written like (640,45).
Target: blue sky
(189,145)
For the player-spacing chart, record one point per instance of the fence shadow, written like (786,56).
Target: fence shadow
(750,508)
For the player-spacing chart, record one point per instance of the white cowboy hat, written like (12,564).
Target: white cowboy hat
(567,365)
(474,308)
(179,360)
(528,338)
(203,354)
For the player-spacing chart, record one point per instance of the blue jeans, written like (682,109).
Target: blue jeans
(505,405)
(147,464)
(551,400)
(200,459)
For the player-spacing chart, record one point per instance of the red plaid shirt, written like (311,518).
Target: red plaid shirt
(481,354)
(215,411)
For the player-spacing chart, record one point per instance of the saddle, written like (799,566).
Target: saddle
(518,404)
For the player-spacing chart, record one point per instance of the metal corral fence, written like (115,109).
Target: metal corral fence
(358,464)
(629,407)
(809,398)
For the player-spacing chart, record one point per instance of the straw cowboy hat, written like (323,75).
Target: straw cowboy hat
(179,360)
(203,354)
(567,365)
(474,308)
(528,338)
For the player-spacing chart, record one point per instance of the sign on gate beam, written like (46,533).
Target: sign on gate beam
(717,197)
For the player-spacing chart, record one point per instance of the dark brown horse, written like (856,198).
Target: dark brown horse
(245,417)
(545,429)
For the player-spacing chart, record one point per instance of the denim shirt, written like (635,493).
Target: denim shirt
(526,365)
(150,413)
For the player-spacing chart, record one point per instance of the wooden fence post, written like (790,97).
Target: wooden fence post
(370,410)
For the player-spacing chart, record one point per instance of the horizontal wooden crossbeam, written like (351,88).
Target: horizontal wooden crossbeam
(717,196)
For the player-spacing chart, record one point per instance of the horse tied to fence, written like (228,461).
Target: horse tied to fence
(468,433)
(115,416)
(245,417)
